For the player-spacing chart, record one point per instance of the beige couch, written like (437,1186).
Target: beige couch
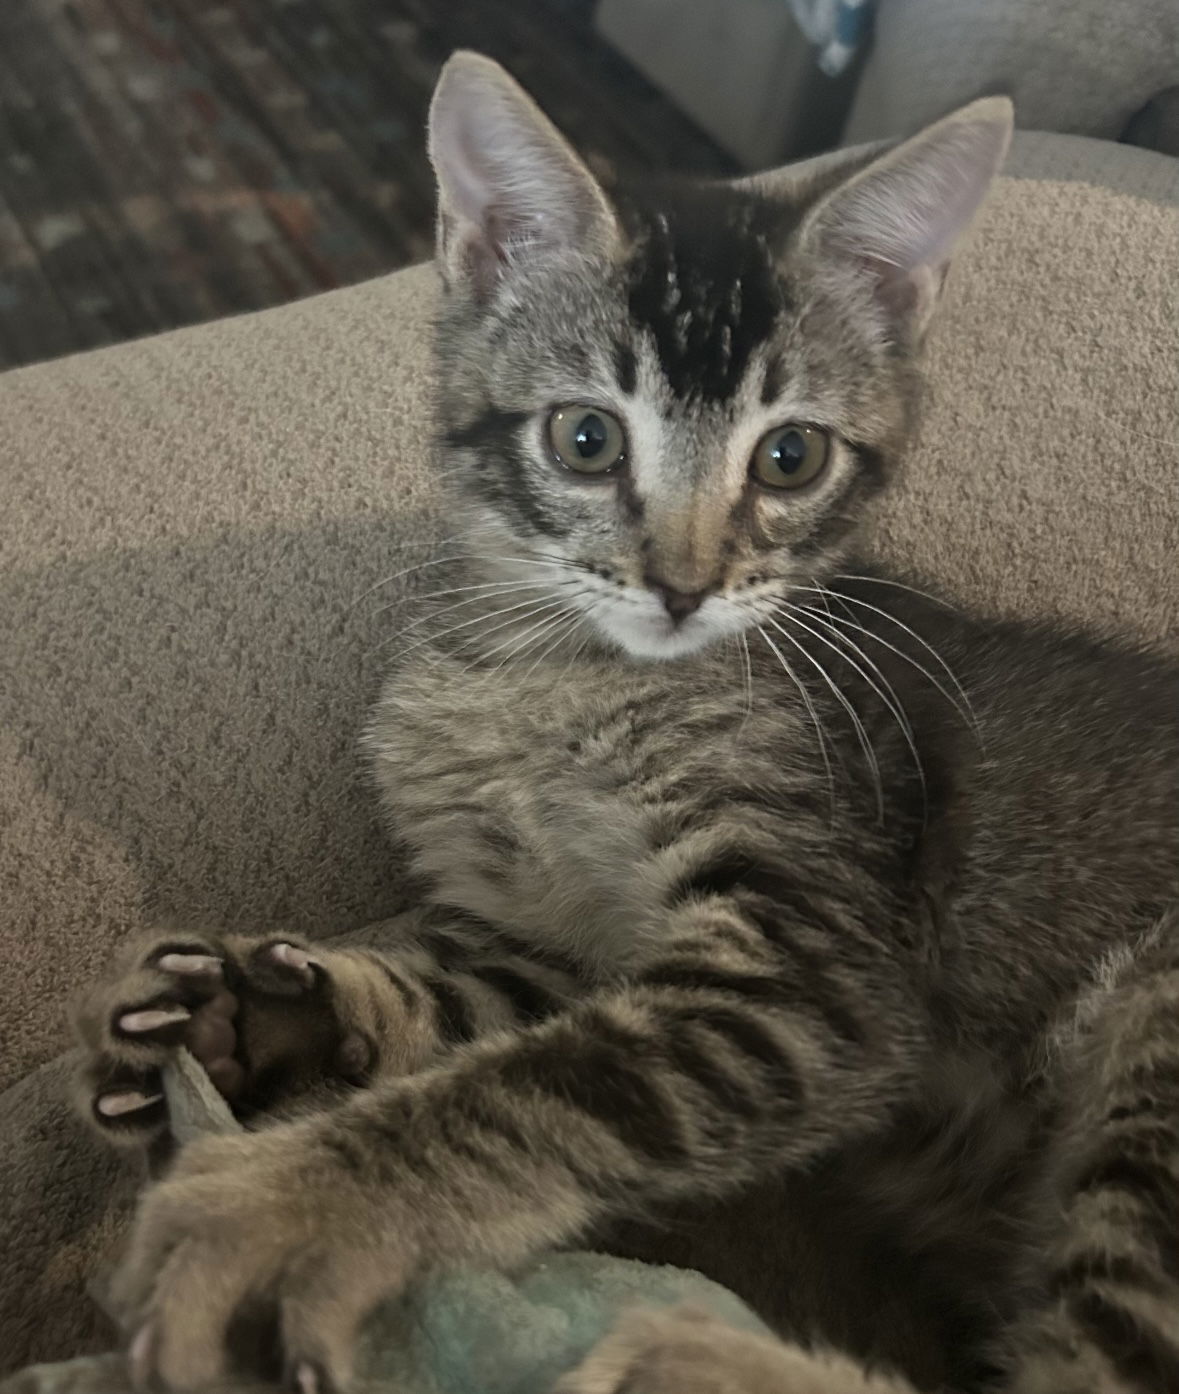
(200,537)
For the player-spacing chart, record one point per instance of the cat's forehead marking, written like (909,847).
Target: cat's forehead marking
(774,380)
(626,367)
(704,284)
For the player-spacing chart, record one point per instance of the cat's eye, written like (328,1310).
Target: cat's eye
(791,457)
(587,440)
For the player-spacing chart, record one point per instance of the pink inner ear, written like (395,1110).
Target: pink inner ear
(482,262)
(896,288)
(490,249)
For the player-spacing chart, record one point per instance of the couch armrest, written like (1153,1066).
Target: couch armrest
(1083,67)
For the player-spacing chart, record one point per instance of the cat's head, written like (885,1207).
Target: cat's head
(669,406)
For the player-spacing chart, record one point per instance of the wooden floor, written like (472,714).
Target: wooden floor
(168,161)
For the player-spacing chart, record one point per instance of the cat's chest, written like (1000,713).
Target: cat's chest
(545,801)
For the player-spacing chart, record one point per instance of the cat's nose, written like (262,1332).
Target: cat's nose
(678,604)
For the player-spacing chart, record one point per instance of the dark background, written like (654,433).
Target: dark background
(169,161)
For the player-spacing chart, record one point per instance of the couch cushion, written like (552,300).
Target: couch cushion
(201,535)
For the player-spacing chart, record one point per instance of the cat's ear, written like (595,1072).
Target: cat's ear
(898,219)
(510,188)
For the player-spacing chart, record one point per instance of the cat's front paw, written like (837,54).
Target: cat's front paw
(257,1014)
(686,1350)
(291,1221)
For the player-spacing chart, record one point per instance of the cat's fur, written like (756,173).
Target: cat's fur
(855,986)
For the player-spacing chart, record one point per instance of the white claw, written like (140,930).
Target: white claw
(306,1380)
(194,965)
(154,1019)
(140,1356)
(297,960)
(130,1101)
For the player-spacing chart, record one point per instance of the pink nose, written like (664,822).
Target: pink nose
(678,604)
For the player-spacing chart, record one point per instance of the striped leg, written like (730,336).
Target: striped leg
(1112,1326)
(273,1019)
(767,1028)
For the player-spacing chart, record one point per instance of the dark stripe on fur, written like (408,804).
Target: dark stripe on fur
(1142,1357)
(482,1113)
(752,987)
(530,1001)
(1081,1272)
(629,499)
(610,1079)
(704,284)
(455,1024)
(501,476)
(774,380)
(626,368)
(717,876)
(471,1144)
(1148,1180)
(697,1060)
(750,1038)
(548,955)
(400,985)
(356,1155)
(447,951)
(1152,1184)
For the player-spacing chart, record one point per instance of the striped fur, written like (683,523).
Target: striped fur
(751,969)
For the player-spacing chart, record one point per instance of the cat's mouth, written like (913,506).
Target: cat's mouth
(647,631)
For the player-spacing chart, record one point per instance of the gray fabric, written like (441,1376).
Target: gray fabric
(1117,169)
(195,550)
(1156,126)
(1079,66)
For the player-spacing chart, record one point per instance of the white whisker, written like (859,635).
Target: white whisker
(571,619)
(852,623)
(814,715)
(459,590)
(508,610)
(861,733)
(889,698)
(576,654)
(549,560)
(542,624)
(434,542)
(970,717)
(505,588)
(748,669)
(397,575)
(896,585)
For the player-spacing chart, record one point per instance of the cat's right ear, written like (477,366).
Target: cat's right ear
(897,220)
(510,188)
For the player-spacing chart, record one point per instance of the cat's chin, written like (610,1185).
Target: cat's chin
(657,640)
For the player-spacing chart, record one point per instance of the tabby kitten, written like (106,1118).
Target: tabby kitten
(776,918)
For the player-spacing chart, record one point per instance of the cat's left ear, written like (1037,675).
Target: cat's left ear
(898,219)
(510,188)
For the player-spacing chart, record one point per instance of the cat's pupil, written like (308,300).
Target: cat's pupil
(789,451)
(591,436)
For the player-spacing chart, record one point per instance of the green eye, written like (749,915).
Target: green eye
(587,440)
(790,457)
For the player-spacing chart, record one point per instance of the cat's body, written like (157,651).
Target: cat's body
(568,802)
(562,802)
(776,920)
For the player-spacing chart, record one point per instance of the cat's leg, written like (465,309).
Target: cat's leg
(684,1350)
(1111,1324)
(767,1024)
(273,1019)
